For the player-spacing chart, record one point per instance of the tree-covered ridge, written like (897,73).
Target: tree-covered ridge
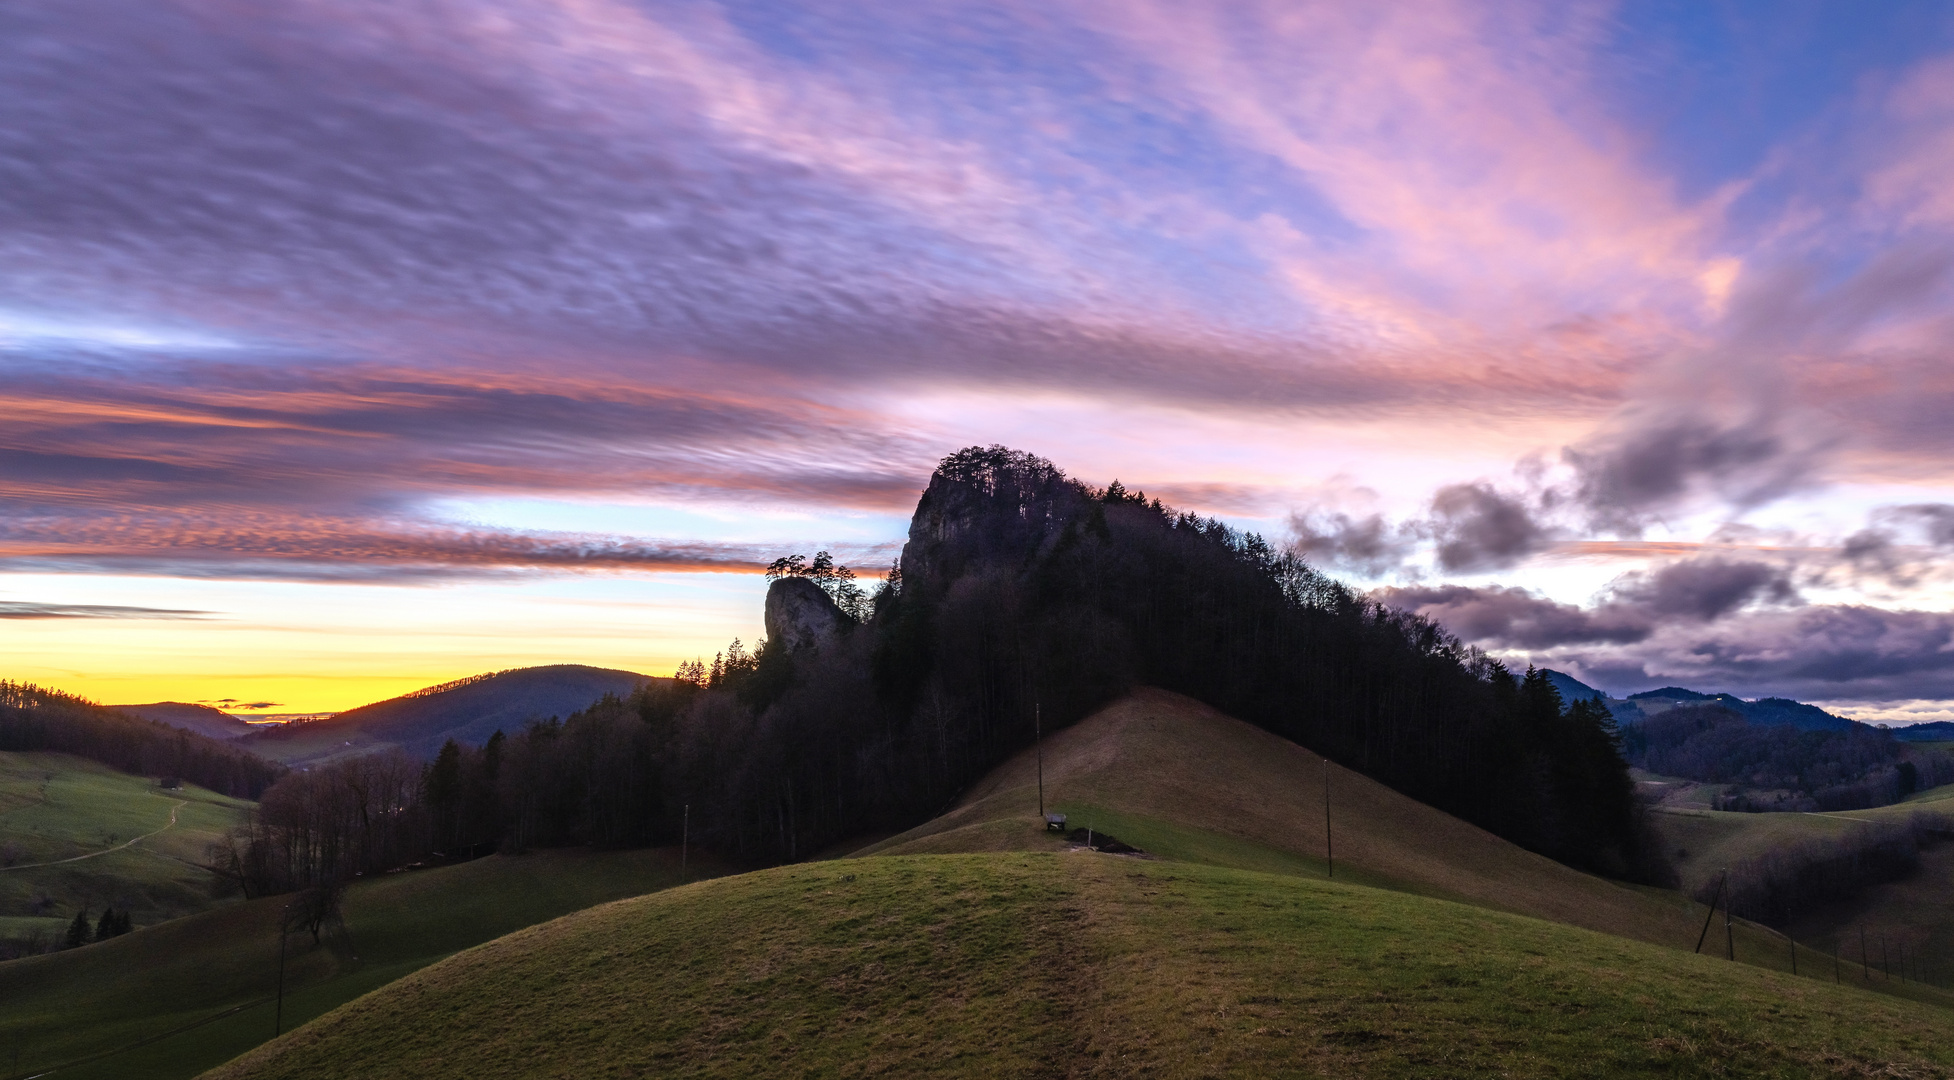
(1784,768)
(1020,594)
(35,718)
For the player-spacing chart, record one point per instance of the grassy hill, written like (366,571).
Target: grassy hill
(209,978)
(1173,777)
(1049,964)
(1225,952)
(1913,913)
(467,711)
(978,944)
(201,719)
(75,833)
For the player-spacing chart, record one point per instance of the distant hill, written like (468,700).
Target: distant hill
(1570,688)
(1671,693)
(202,719)
(467,711)
(1783,712)
(1934,731)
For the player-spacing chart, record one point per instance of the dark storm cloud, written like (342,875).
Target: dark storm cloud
(1367,545)
(1818,652)
(1704,589)
(1634,608)
(1479,528)
(1501,617)
(23,609)
(1624,477)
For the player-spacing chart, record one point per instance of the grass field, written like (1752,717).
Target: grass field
(1052,964)
(66,831)
(67,1006)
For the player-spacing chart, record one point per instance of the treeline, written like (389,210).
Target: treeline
(1777,886)
(328,824)
(37,719)
(1781,767)
(1022,589)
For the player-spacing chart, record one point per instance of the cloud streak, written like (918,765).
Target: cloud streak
(27,609)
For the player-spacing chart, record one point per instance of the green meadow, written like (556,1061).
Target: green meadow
(76,834)
(175,999)
(1079,963)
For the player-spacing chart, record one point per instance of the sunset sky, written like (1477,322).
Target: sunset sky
(348,347)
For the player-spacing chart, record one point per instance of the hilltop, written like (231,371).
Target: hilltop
(466,710)
(1174,777)
(202,719)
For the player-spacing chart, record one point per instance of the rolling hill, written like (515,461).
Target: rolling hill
(980,944)
(467,711)
(201,719)
(1057,964)
(76,834)
(169,1001)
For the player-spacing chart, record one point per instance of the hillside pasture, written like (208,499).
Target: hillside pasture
(1071,963)
(210,978)
(1173,777)
(77,834)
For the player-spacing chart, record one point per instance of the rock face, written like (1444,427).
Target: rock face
(800,614)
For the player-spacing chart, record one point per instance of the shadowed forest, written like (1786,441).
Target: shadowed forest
(1021,594)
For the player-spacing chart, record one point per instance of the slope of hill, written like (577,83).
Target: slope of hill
(467,711)
(201,719)
(1047,964)
(1932,731)
(170,1001)
(77,834)
(1171,776)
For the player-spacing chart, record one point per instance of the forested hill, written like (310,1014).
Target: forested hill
(32,718)
(1020,586)
(1021,595)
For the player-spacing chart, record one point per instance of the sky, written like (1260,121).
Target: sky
(352,347)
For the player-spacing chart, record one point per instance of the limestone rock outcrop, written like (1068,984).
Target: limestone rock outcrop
(800,614)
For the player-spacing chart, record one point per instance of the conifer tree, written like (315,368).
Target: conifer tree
(78,930)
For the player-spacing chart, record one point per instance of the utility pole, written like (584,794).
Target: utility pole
(278,1016)
(1794,951)
(1038,737)
(1708,918)
(1865,966)
(684,842)
(1729,937)
(1329,844)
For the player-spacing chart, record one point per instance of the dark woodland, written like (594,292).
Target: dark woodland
(1019,587)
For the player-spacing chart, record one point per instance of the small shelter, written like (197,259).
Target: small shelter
(1055,823)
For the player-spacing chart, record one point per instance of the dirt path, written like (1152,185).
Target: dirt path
(57,862)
